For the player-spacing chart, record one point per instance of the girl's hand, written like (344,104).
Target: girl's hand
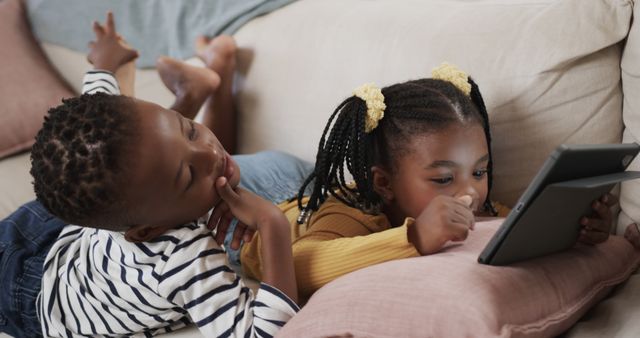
(109,51)
(632,234)
(445,219)
(597,227)
(251,210)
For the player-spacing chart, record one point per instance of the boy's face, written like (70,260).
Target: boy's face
(177,163)
(451,162)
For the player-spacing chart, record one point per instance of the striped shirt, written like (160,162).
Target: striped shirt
(96,81)
(95,283)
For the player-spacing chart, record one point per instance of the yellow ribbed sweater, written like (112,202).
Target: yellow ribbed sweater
(337,240)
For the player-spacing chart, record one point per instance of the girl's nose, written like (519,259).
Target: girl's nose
(469,190)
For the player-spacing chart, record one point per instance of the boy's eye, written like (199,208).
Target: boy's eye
(442,180)
(192,174)
(193,133)
(480,173)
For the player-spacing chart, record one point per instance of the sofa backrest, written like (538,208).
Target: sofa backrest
(630,192)
(549,70)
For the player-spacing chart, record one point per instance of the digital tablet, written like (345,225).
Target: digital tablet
(546,217)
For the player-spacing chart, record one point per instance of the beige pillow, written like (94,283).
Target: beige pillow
(29,84)
(549,70)
(630,191)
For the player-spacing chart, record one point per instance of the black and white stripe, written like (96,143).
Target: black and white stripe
(97,284)
(96,81)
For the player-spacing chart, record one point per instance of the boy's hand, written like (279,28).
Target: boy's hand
(109,51)
(251,210)
(597,227)
(445,219)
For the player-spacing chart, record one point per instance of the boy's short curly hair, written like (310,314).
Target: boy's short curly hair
(78,160)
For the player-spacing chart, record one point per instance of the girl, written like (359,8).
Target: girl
(419,156)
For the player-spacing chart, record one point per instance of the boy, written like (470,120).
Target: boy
(129,171)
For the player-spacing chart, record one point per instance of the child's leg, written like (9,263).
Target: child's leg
(219,54)
(25,238)
(190,84)
(273,175)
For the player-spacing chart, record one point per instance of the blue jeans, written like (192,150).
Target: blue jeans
(27,235)
(272,175)
(25,239)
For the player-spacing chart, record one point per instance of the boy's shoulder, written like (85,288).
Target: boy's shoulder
(181,239)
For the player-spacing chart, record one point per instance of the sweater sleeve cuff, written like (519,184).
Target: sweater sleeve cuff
(276,299)
(100,81)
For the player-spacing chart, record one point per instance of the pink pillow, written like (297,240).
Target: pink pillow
(450,295)
(28,83)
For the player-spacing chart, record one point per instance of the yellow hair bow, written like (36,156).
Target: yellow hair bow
(450,73)
(374,99)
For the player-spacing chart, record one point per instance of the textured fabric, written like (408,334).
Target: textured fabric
(155,28)
(339,240)
(25,238)
(100,81)
(549,70)
(29,84)
(451,295)
(616,316)
(630,190)
(97,283)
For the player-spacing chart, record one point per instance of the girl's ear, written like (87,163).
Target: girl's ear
(143,233)
(382,183)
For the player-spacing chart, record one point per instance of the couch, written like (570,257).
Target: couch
(551,72)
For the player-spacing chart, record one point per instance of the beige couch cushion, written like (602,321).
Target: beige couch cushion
(630,191)
(549,70)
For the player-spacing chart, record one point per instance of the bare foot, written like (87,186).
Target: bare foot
(218,53)
(191,85)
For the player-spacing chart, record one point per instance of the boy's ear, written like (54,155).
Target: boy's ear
(143,233)
(382,183)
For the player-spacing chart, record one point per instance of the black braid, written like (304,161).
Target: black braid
(413,107)
(77,160)
(476,97)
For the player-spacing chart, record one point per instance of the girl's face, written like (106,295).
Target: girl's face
(450,162)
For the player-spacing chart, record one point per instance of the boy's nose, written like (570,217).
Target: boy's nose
(205,158)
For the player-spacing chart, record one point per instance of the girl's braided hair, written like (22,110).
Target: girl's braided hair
(79,158)
(412,108)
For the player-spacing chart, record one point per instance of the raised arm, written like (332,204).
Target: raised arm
(110,56)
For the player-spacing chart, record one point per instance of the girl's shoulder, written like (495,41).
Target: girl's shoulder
(335,208)
(502,209)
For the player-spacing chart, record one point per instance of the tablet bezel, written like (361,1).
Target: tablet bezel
(566,162)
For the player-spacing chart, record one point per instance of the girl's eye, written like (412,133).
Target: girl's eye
(442,180)
(480,173)
(193,133)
